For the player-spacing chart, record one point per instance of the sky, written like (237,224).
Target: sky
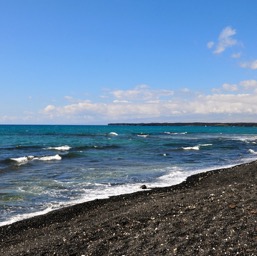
(105,61)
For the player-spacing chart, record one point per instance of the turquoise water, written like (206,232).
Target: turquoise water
(47,167)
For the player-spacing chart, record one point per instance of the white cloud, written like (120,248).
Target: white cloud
(226,104)
(120,101)
(225,40)
(141,92)
(249,84)
(210,44)
(229,87)
(140,102)
(185,90)
(236,55)
(250,64)
(241,87)
(49,108)
(156,107)
(8,119)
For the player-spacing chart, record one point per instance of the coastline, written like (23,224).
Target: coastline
(211,213)
(235,124)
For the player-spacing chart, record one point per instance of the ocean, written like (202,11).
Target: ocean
(46,167)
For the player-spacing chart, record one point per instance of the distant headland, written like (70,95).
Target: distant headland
(186,124)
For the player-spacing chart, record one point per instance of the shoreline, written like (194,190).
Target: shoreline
(141,188)
(214,209)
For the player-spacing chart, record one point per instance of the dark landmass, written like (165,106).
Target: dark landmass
(212,213)
(185,124)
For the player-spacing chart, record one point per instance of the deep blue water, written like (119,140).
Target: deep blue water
(47,167)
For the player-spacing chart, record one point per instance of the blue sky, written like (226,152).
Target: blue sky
(96,61)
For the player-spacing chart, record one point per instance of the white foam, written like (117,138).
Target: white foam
(48,158)
(176,175)
(252,151)
(197,147)
(205,145)
(26,159)
(175,133)
(173,176)
(247,139)
(106,191)
(22,160)
(61,148)
(143,135)
(101,192)
(20,217)
(113,134)
(192,148)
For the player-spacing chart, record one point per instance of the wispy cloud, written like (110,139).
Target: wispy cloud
(141,92)
(230,87)
(249,64)
(236,55)
(241,87)
(249,84)
(224,41)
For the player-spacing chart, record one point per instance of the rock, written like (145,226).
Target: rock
(232,206)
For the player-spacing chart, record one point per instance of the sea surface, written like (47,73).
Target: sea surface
(43,168)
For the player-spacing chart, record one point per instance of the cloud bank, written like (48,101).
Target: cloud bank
(144,103)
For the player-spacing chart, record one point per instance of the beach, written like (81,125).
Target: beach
(211,213)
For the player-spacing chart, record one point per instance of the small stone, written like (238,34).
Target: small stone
(143,187)
(232,206)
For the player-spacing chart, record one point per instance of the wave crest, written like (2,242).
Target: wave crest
(192,148)
(252,151)
(26,159)
(61,148)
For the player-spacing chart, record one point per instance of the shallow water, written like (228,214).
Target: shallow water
(47,167)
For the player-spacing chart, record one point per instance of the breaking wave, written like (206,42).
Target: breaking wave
(252,151)
(60,148)
(192,148)
(197,147)
(26,159)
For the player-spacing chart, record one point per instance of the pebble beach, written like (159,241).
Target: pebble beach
(211,213)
